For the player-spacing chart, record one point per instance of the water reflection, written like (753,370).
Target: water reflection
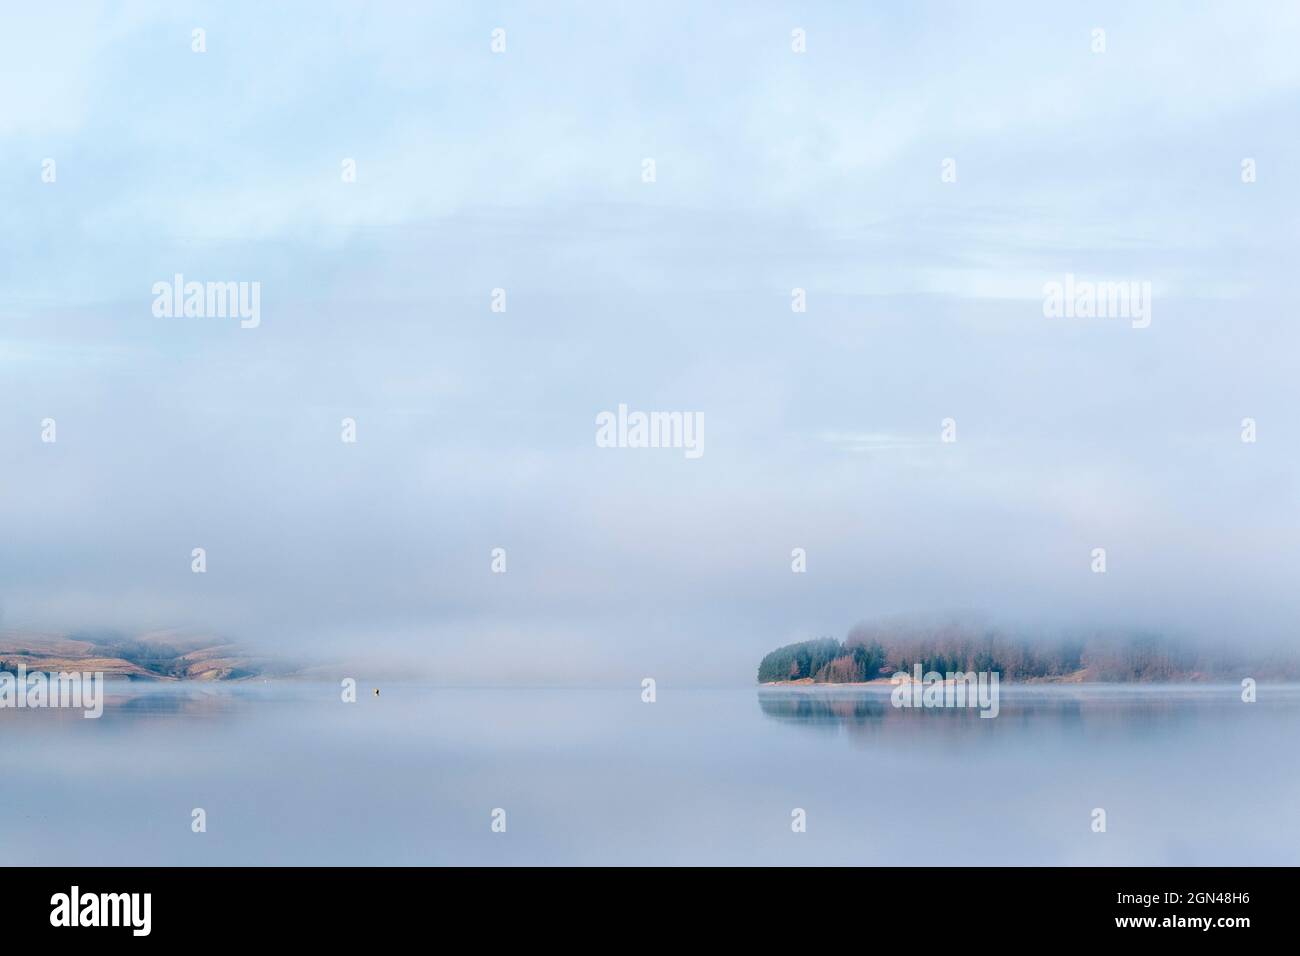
(1093,709)
(288,773)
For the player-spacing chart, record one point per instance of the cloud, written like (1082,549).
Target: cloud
(476,428)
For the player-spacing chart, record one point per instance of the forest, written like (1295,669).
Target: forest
(871,652)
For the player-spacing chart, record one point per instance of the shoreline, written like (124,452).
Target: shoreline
(1076,678)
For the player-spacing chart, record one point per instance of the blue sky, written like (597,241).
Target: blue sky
(522,170)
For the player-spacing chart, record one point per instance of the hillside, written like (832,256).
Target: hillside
(154,656)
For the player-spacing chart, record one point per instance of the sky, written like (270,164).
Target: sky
(524,170)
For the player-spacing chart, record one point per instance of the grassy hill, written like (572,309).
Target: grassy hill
(154,656)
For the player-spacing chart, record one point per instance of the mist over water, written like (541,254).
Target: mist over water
(288,774)
(965,334)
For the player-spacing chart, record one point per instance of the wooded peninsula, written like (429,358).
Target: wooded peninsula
(875,653)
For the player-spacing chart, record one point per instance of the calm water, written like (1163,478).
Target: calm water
(289,774)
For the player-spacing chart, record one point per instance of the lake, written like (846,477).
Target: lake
(289,774)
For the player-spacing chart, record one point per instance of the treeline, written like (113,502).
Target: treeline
(823,660)
(871,652)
